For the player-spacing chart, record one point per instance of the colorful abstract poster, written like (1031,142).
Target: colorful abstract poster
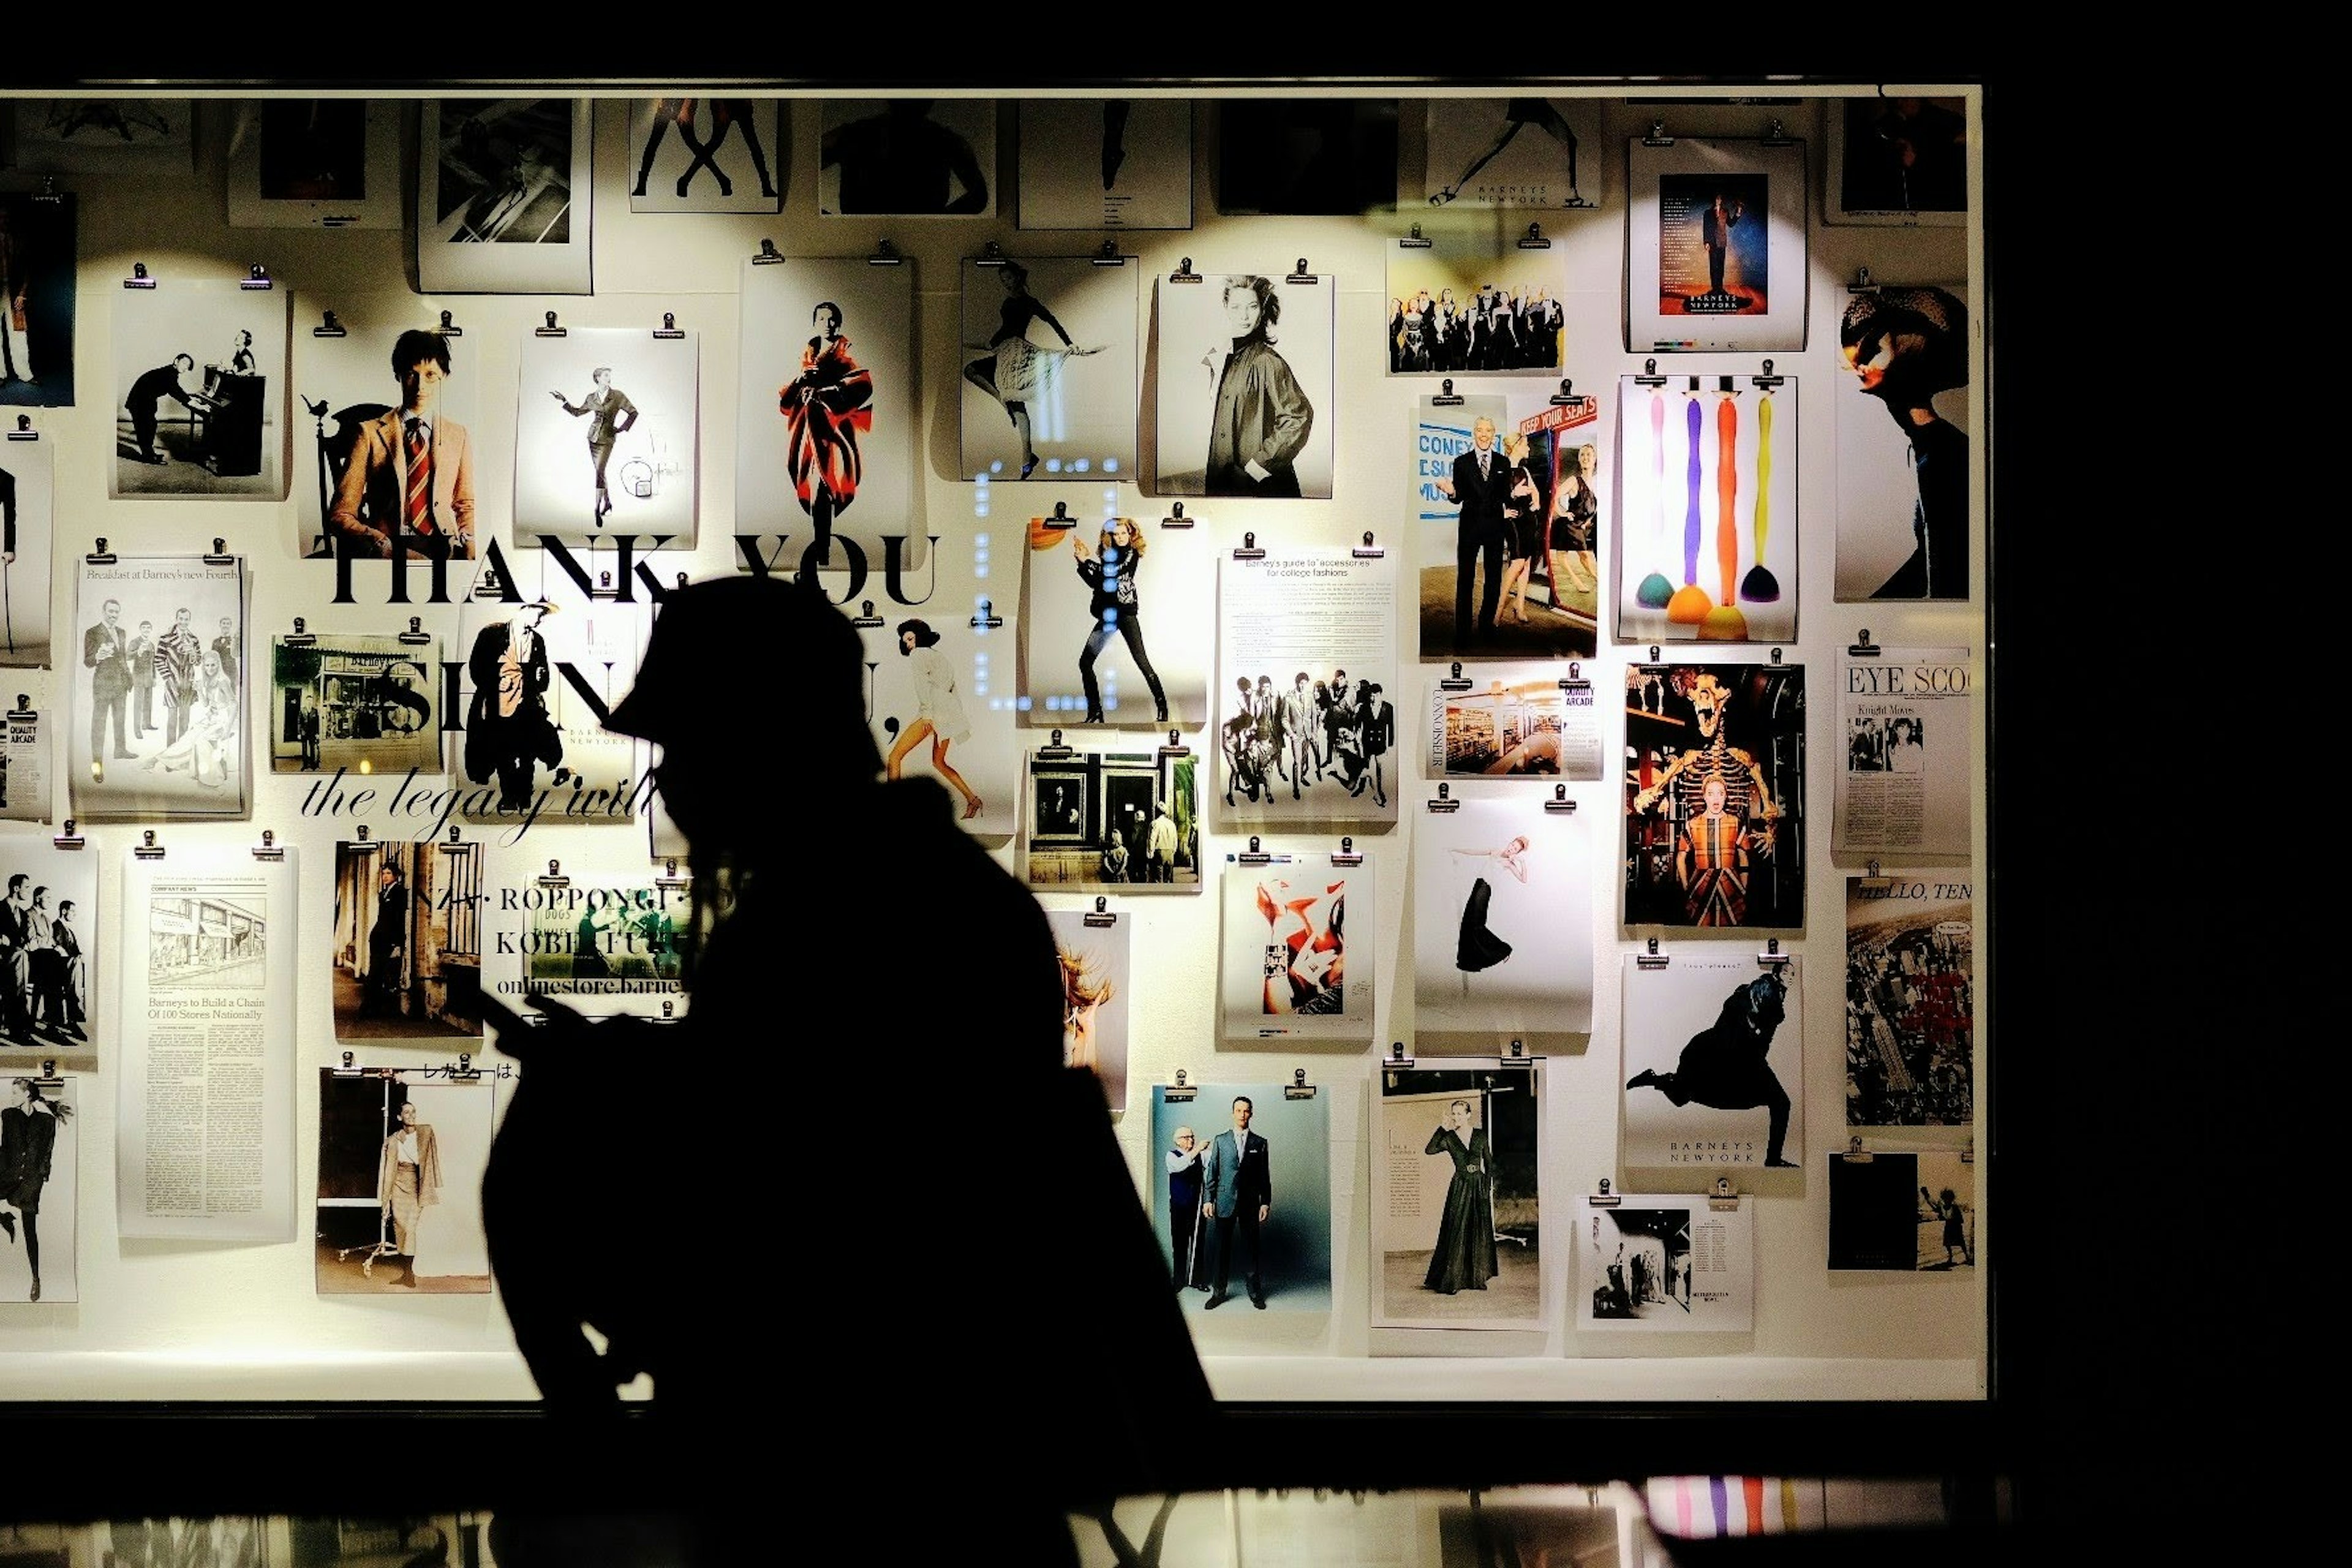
(401,1157)
(1506,536)
(1051,375)
(1536,153)
(1247,409)
(1139,172)
(1307,721)
(607,425)
(1903,469)
(908,157)
(1111,623)
(1519,721)
(1288,969)
(1661,1264)
(1468,306)
(1714,1058)
(1113,822)
(1898,160)
(1706,512)
(200,372)
(1098,995)
(1715,794)
(1457,1208)
(708,154)
(1241,1195)
(1906,781)
(1906,1212)
(503,196)
(1715,246)
(1502,918)
(940,702)
(1910,1000)
(405,963)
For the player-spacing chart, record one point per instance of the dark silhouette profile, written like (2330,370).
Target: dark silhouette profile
(1724,1065)
(801,868)
(1905,345)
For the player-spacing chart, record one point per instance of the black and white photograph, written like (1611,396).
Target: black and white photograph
(200,374)
(1098,995)
(1105,163)
(1707,523)
(1715,794)
(315,162)
(825,412)
(40,1188)
(384,454)
(1910,1000)
(158,720)
(1716,247)
(1050,377)
(1903,468)
(50,942)
(1715,1047)
(908,157)
(1241,1196)
(27,534)
(407,947)
(540,679)
(615,942)
(353,702)
(1505,521)
(1906,1212)
(1246,401)
(708,154)
(1502,920)
(1473,306)
(143,137)
(405,1541)
(1306,710)
(605,426)
(1114,624)
(940,701)
(401,1156)
(226,1540)
(1113,822)
(1513,721)
(29,733)
(1457,1218)
(503,196)
(37,301)
(1544,153)
(1898,160)
(1670,1264)
(1285,968)
(1904,717)
(1298,156)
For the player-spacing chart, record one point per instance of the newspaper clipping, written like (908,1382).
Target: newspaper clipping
(1904,792)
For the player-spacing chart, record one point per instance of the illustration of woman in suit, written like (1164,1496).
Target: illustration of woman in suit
(1013,367)
(611,416)
(939,711)
(1463,1257)
(1479,948)
(28,1136)
(1109,570)
(826,408)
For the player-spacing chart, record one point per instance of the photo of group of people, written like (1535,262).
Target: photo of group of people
(161,688)
(1910,1001)
(1114,821)
(1244,1207)
(1307,728)
(1666,1263)
(50,945)
(1464,310)
(1507,527)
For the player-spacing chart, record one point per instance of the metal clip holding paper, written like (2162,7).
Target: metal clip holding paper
(1454,681)
(1298,1088)
(1574,680)
(1604,1199)
(884,255)
(1108,255)
(415,636)
(1396,1057)
(49,193)
(1862,282)
(23,430)
(300,636)
(1534,239)
(1775,135)
(1566,396)
(269,849)
(669,331)
(139,278)
(256,280)
(1518,1061)
(50,1078)
(328,327)
(1184,273)
(70,839)
(1100,918)
(1768,381)
(1175,746)
(1367,550)
(1253,855)
(1347,854)
(1249,549)
(985,618)
(1444,801)
(347,1069)
(1855,1154)
(1415,241)
(550,329)
(462,1071)
(1657,136)
(1772,957)
(1725,1198)
(1649,376)
(864,617)
(1054,747)
(1302,277)
(220,556)
(555,877)
(1559,800)
(1651,958)
(1653,666)
(768,255)
(1447,396)
(147,848)
(23,713)
(1968,1152)
(1862,647)
(1871,880)
(669,879)
(450,327)
(1176,518)
(1061,517)
(1181,1092)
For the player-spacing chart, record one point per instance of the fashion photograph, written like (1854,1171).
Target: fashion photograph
(1715,246)
(1507,520)
(606,427)
(503,196)
(37,301)
(1098,995)
(1537,152)
(26,532)
(1706,513)
(534,739)
(369,704)
(1715,1050)
(908,157)
(40,1182)
(1246,402)
(406,956)
(200,374)
(1665,1265)
(158,721)
(143,137)
(1107,164)
(401,1156)
(1472,306)
(1903,468)
(387,459)
(50,941)
(1113,612)
(1114,822)
(708,154)
(1306,727)
(1050,376)
(940,702)
(1287,970)
(1457,1161)
(1240,1197)
(1502,943)
(1907,1212)
(1715,795)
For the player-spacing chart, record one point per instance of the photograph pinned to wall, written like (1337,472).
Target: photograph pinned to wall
(708,154)
(157,722)
(1287,970)
(1098,995)
(1467,305)
(1240,1195)
(50,1005)
(1113,822)
(407,951)
(1050,378)
(315,162)
(401,1157)
(1707,509)
(1661,1264)
(1900,160)
(1505,536)
(1140,173)
(37,301)
(146,138)
(940,702)
(1903,450)
(1715,246)
(606,420)
(1715,794)
(200,373)
(503,196)
(382,364)
(908,157)
(1502,921)
(1910,1000)
(1528,720)
(41,1146)
(1105,609)
(540,679)
(26,534)
(612,943)
(1246,407)
(326,1541)
(1902,1211)
(1457,1222)
(1305,156)
(1903,791)
(825,412)
(1524,1524)
(28,736)
(236,1541)
(1714,1053)
(353,701)
(1307,723)
(1540,153)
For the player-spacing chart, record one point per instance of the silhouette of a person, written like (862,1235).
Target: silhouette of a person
(903,160)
